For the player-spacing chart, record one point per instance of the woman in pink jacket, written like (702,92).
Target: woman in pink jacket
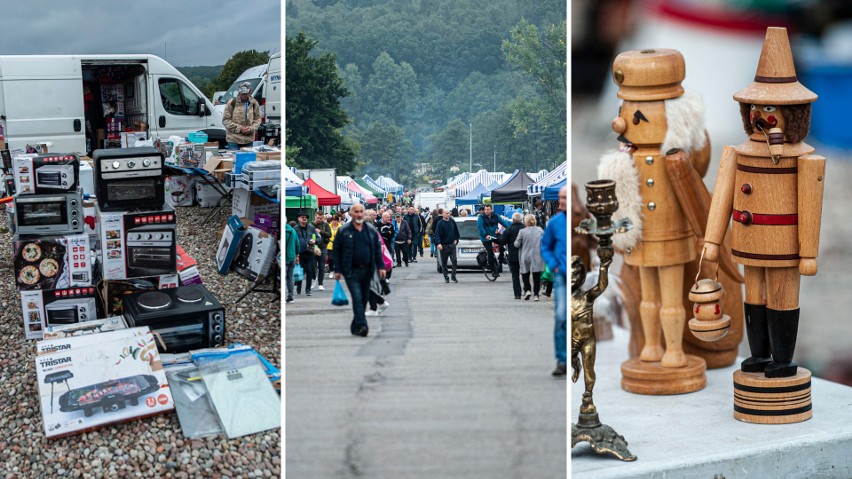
(378,305)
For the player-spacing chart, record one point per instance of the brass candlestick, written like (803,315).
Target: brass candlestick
(601,202)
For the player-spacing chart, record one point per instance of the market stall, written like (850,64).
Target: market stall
(513,191)
(324,197)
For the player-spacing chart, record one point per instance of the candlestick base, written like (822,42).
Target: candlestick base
(602,438)
(641,377)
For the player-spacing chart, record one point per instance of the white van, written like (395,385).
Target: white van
(272,92)
(61,99)
(256,76)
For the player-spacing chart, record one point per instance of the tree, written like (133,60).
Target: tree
(313,114)
(237,64)
(449,148)
(385,150)
(391,90)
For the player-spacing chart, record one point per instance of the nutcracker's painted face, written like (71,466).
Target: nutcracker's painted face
(793,120)
(578,273)
(640,123)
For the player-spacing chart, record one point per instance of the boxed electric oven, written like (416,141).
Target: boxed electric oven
(101,383)
(53,262)
(138,244)
(84,328)
(40,174)
(255,255)
(60,307)
(50,214)
(129,178)
(114,291)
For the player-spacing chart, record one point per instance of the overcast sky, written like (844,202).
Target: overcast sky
(197,32)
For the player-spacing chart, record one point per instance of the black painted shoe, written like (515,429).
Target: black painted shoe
(783,328)
(560,370)
(446,280)
(361,331)
(755,365)
(455,280)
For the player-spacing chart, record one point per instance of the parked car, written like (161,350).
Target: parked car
(68,100)
(469,245)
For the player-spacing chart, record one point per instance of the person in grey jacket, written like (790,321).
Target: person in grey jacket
(529,246)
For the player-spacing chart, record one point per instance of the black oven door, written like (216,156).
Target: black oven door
(62,316)
(51,178)
(48,213)
(151,261)
(145,192)
(183,337)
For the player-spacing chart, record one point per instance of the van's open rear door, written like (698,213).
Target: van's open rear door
(43,102)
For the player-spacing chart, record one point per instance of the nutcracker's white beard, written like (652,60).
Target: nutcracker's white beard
(619,166)
(685,123)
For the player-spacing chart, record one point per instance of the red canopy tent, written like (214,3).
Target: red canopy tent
(324,197)
(369,198)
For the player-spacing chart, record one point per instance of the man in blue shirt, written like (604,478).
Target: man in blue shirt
(487,224)
(554,251)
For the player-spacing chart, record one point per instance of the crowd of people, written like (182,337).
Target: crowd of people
(362,246)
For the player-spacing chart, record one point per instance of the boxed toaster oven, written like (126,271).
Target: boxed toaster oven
(114,291)
(53,262)
(84,328)
(137,244)
(61,307)
(105,382)
(40,174)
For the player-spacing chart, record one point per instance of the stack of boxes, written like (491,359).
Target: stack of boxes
(54,263)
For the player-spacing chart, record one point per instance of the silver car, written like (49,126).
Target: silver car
(469,245)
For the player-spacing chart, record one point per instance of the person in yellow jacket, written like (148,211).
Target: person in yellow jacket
(335,225)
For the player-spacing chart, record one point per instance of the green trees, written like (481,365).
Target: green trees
(314,116)
(384,150)
(234,67)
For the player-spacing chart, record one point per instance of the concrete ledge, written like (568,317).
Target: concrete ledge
(696,436)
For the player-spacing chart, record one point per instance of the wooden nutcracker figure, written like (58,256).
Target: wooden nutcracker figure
(772,187)
(656,120)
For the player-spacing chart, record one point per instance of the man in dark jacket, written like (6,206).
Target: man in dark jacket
(509,237)
(447,237)
(387,231)
(402,241)
(324,230)
(540,215)
(417,226)
(357,255)
(487,224)
(308,238)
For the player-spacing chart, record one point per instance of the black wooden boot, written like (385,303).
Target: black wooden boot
(783,326)
(758,339)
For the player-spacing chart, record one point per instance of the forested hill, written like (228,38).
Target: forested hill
(419,72)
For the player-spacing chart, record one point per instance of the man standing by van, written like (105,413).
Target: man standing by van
(241,118)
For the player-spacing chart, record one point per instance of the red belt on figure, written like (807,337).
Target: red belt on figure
(749,218)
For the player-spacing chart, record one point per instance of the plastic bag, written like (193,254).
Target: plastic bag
(426,242)
(195,411)
(298,273)
(547,274)
(339,298)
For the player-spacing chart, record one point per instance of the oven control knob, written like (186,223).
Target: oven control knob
(131,163)
(64,175)
(217,339)
(217,328)
(116,165)
(82,316)
(150,236)
(218,318)
(74,223)
(73,212)
(146,163)
(73,202)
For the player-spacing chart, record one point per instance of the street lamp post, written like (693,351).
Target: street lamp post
(470,167)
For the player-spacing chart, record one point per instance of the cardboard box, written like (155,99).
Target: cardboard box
(208,196)
(93,385)
(269,155)
(62,307)
(180,190)
(53,262)
(66,343)
(229,244)
(119,233)
(256,254)
(191,155)
(113,292)
(129,138)
(41,174)
(246,205)
(217,162)
(187,268)
(85,328)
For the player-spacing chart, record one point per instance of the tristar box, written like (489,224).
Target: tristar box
(137,244)
(187,268)
(61,307)
(102,383)
(52,262)
(40,174)
(229,244)
(113,292)
(180,190)
(84,328)
(68,342)
(255,255)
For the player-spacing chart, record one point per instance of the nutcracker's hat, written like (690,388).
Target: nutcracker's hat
(775,82)
(649,75)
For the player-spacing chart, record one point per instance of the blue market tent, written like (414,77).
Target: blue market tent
(292,189)
(551,193)
(474,197)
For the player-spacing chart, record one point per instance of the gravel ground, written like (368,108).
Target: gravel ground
(153,447)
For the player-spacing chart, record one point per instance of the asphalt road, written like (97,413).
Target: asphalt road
(452,382)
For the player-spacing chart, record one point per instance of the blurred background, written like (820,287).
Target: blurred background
(721,41)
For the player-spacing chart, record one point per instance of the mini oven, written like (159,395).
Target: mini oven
(151,250)
(55,177)
(70,311)
(129,179)
(55,214)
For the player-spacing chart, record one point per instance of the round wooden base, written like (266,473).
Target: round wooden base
(762,400)
(642,377)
